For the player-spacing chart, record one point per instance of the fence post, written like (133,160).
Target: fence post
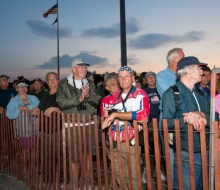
(211,142)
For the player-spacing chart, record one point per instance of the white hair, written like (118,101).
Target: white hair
(183,71)
(172,53)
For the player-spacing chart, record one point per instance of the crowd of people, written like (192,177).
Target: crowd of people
(180,91)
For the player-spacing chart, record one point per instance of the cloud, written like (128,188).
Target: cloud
(47,31)
(133,61)
(66,61)
(154,40)
(112,31)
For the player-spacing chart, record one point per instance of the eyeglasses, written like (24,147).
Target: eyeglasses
(125,77)
(52,79)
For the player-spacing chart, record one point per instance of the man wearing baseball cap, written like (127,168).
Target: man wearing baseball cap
(5,93)
(76,95)
(192,108)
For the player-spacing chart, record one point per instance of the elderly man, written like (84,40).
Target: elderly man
(38,88)
(165,79)
(5,93)
(192,108)
(76,95)
(131,104)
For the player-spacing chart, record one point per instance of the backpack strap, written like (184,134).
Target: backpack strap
(176,95)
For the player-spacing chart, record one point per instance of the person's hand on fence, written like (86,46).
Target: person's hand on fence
(50,110)
(23,108)
(196,119)
(35,111)
(108,120)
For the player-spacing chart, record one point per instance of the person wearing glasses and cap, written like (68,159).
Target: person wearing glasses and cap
(6,93)
(76,95)
(128,104)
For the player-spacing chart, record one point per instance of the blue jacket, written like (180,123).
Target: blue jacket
(186,103)
(165,79)
(13,112)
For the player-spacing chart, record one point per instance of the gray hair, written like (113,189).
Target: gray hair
(172,53)
(110,76)
(49,73)
(183,71)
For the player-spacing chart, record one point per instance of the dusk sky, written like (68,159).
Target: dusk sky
(90,29)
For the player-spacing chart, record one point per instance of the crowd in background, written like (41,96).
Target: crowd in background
(89,93)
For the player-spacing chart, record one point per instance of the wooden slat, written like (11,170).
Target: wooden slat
(128,155)
(70,152)
(50,150)
(147,154)
(137,154)
(90,154)
(64,151)
(191,157)
(121,170)
(157,154)
(75,145)
(167,154)
(204,158)
(112,157)
(58,144)
(85,165)
(104,152)
(55,126)
(45,136)
(97,153)
(178,154)
(41,153)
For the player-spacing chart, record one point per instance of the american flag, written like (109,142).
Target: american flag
(52,10)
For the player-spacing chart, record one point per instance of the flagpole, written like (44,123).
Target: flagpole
(58,56)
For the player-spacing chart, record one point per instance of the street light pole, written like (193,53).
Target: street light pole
(123,33)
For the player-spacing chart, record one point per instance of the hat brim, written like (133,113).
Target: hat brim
(22,84)
(201,64)
(7,77)
(83,64)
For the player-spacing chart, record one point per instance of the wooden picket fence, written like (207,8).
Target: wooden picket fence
(44,161)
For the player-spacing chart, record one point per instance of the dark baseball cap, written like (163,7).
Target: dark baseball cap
(4,76)
(187,61)
(149,73)
(38,79)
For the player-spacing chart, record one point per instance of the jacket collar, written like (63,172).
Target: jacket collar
(70,80)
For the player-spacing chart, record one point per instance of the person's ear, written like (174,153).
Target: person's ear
(107,88)
(73,69)
(133,78)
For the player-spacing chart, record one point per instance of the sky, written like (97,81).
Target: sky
(90,29)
